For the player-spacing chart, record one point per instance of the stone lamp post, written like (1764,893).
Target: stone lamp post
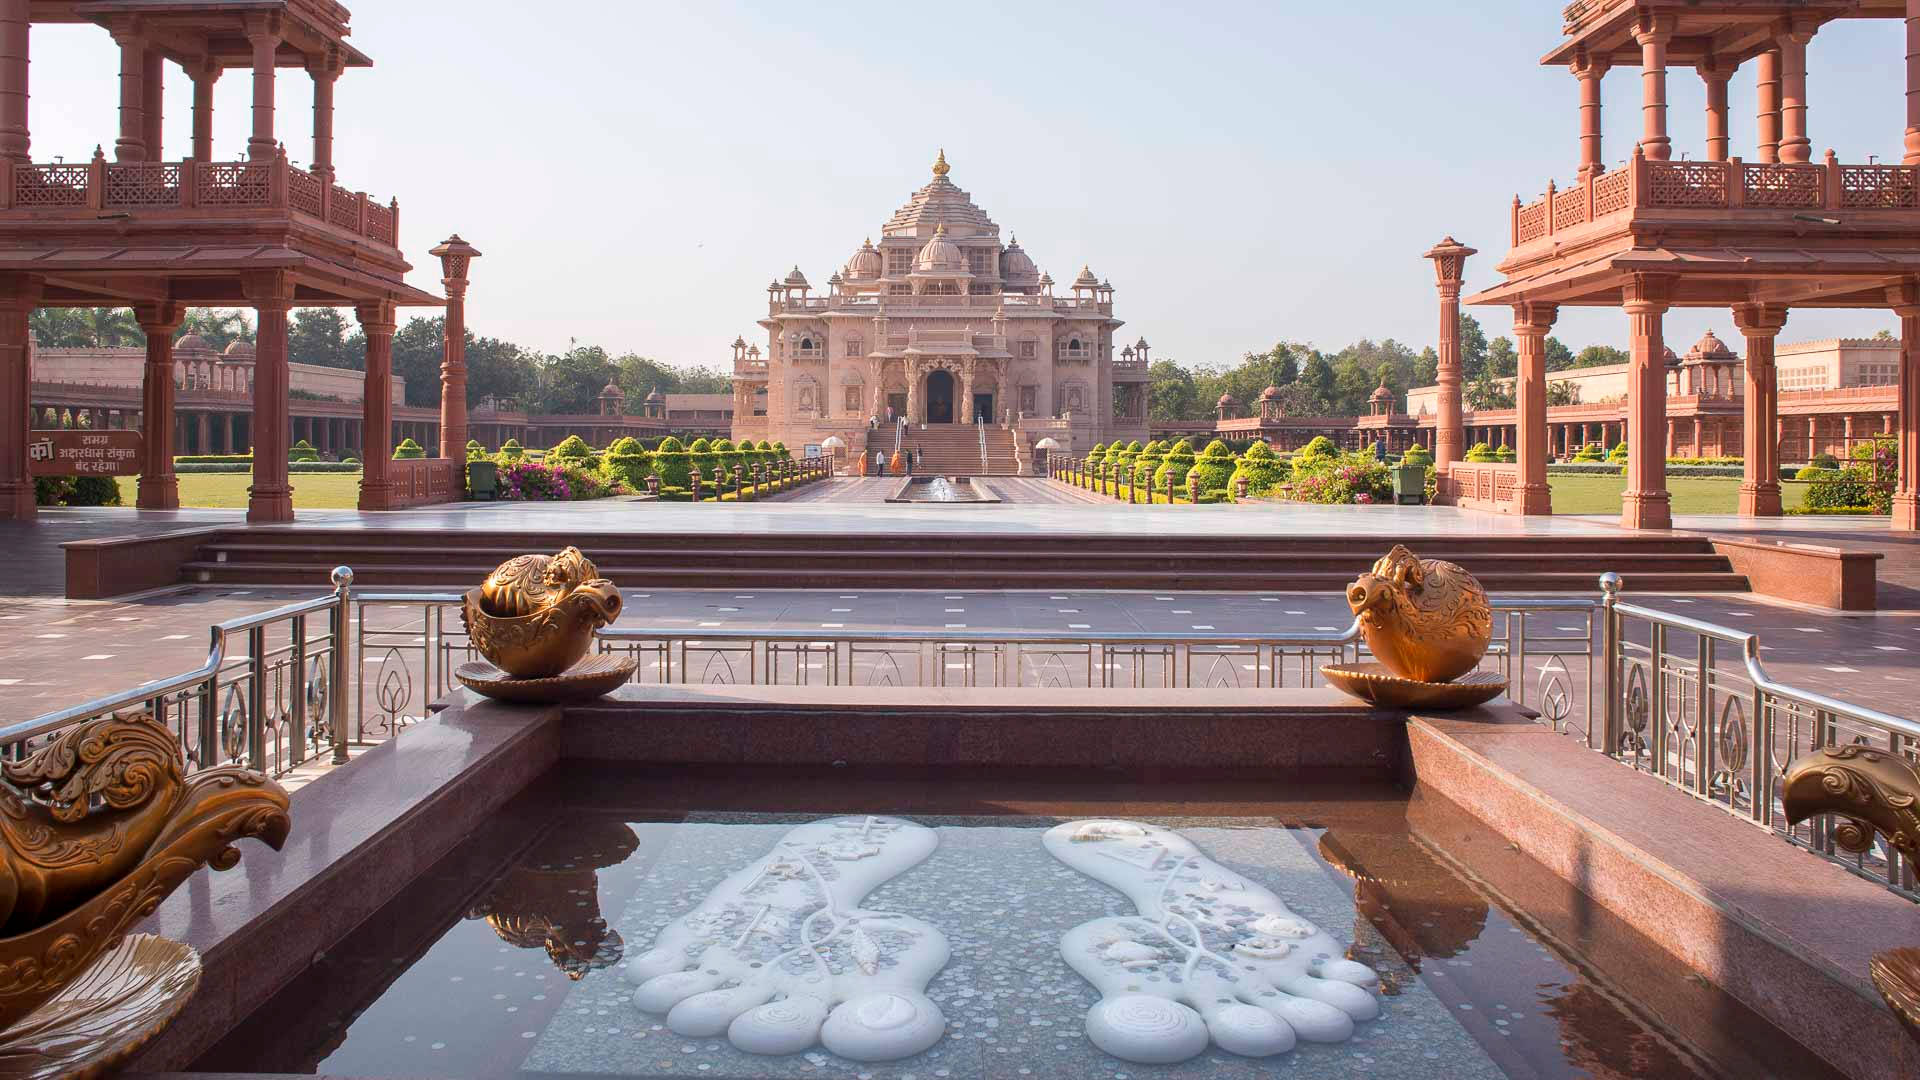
(455,255)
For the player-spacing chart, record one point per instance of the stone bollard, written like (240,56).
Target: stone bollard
(1169,489)
(653,485)
(1193,488)
(693,482)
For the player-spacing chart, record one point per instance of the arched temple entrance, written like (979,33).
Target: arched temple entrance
(940,397)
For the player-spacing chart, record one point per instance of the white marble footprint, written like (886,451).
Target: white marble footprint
(781,956)
(1210,956)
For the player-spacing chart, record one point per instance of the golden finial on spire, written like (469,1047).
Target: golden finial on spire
(940,163)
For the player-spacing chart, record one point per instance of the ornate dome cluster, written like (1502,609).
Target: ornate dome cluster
(1711,348)
(1017,266)
(865,264)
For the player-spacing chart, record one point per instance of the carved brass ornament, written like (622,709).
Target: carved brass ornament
(1872,791)
(1428,623)
(550,899)
(535,615)
(96,829)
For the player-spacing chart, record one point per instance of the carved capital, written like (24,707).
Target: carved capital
(162,317)
(1759,320)
(377,318)
(1650,29)
(1534,318)
(1647,294)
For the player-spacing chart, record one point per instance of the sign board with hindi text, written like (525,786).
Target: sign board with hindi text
(77,452)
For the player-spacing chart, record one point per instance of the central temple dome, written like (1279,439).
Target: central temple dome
(941,255)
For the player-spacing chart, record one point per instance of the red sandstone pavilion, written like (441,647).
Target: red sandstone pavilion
(1757,237)
(161,235)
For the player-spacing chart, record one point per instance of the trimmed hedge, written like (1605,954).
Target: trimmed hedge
(1261,468)
(192,469)
(1214,467)
(302,451)
(408,450)
(1178,462)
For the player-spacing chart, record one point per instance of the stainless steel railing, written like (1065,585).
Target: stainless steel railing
(1691,703)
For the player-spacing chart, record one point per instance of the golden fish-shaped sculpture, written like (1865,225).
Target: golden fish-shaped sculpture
(1425,619)
(535,615)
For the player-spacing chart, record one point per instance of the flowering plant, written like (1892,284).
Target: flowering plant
(537,481)
(1341,478)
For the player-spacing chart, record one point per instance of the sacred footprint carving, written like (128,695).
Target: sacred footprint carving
(781,956)
(1211,956)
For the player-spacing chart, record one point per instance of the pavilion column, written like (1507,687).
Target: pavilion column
(1532,321)
(263,33)
(203,80)
(376,406)
(1906,491)
(1719,142)
(1646,504)
(1813,437)
(1653,33)
(1590,72)
(1794,144)
(1699,436)
(1767,103)
(152,94)
(456,256)
(159,489)
(203,441)
(271,497)
(15,52)
(1913,83)
(19,294)
(131,145)
(1449,265)
(324,76)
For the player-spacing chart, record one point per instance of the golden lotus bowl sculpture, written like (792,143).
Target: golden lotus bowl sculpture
(1429,624)
(535,615)
(97,827)
(1873,792)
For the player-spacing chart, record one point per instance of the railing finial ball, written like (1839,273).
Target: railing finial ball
(1610,583)
(342,576)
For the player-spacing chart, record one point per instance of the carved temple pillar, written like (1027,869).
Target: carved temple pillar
(271,497)
(1646,504)
(1532,321)
(19,293)
(1590,71)
(377,321)
(158,489)
(131,145)
(1449,265)
(1653,33)
(1794,144)
(1767,104)
(263,34)
(1913,83)
(325,74)
(1906,491)
(1716,76)
(152,97)
(15,49)
(455,256)
(203,79)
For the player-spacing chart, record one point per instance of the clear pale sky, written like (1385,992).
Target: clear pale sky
(636,172)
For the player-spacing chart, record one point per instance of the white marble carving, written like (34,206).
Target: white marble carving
(1210,956)
(781,956)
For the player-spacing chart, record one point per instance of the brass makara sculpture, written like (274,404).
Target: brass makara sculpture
(535,615)
(1426,620)
(97,827)
(1872,791)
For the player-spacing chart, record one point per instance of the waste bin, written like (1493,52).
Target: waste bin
(1409,485)
(483,479)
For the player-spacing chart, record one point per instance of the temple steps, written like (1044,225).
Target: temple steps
(793,561)
(954,450)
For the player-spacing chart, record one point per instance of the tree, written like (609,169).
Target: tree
(1559,357)
(1487,392)
(499,370)
(417,346)
(1600,356)
(1426,368)
(571,381)
(702,379)
(1170,393)
(1562,392)
(218,327)
(321,336)
(97,328)
(1473,348)
(1317,375)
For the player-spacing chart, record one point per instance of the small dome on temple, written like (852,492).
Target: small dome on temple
(865,262)
(1016,265)
(1086,280)
(1269,393)
(192,343)
(1046,279)
(1381,393)
(612,390)
(1710,348)
(796,279)
(239,350)
(655,397)
(834,278)
(739,343)
(941,255)
(1672,358)
(1227,399)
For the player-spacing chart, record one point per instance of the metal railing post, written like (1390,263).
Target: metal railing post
(337,676)
(257,698)
(1610,726)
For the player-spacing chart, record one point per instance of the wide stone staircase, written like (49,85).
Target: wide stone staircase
(801,560)
(954,450)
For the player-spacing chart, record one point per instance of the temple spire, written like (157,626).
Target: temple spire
(940,163)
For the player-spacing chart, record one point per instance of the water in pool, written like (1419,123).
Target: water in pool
(1315,939)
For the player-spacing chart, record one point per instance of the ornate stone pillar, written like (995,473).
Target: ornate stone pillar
(203,437)
(152,94)
(1532,321)
(15,52)
(263,33)
(1913,82)
(455,256)
(963,409)
(376,405)
(1590,71)
(131,145)
(158,489)
(1906,492)
(324,75)
(203,80)
(1794,144)
(1653,33)
(1719,144)
(19,293)
(1449,265)
(271,497)
(1767,103)
(1760,486)
(1646,504)
(913,392)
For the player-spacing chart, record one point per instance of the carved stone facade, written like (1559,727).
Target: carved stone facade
(943,324)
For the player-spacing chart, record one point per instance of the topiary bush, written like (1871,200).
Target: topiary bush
(1824,461)
(1148,462)
(704,459)
(1504,453)
(1262,469)
(302,451)
(572,449)
(476,451)
(1479,452)
(408,450)
(511,451)
(1318,448)
(1590,452)
(673,464)
(1214,467)
(625,462)
(1618,455)
(1178,462)
(76,491)
(1416,455)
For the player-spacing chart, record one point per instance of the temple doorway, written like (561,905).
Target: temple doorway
(898,403)
(940,397)
(983,408)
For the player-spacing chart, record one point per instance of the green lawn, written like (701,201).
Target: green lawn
(1691,494)
(311,491)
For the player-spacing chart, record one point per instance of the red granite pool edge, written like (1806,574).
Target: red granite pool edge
(1697,882)
(360,833)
